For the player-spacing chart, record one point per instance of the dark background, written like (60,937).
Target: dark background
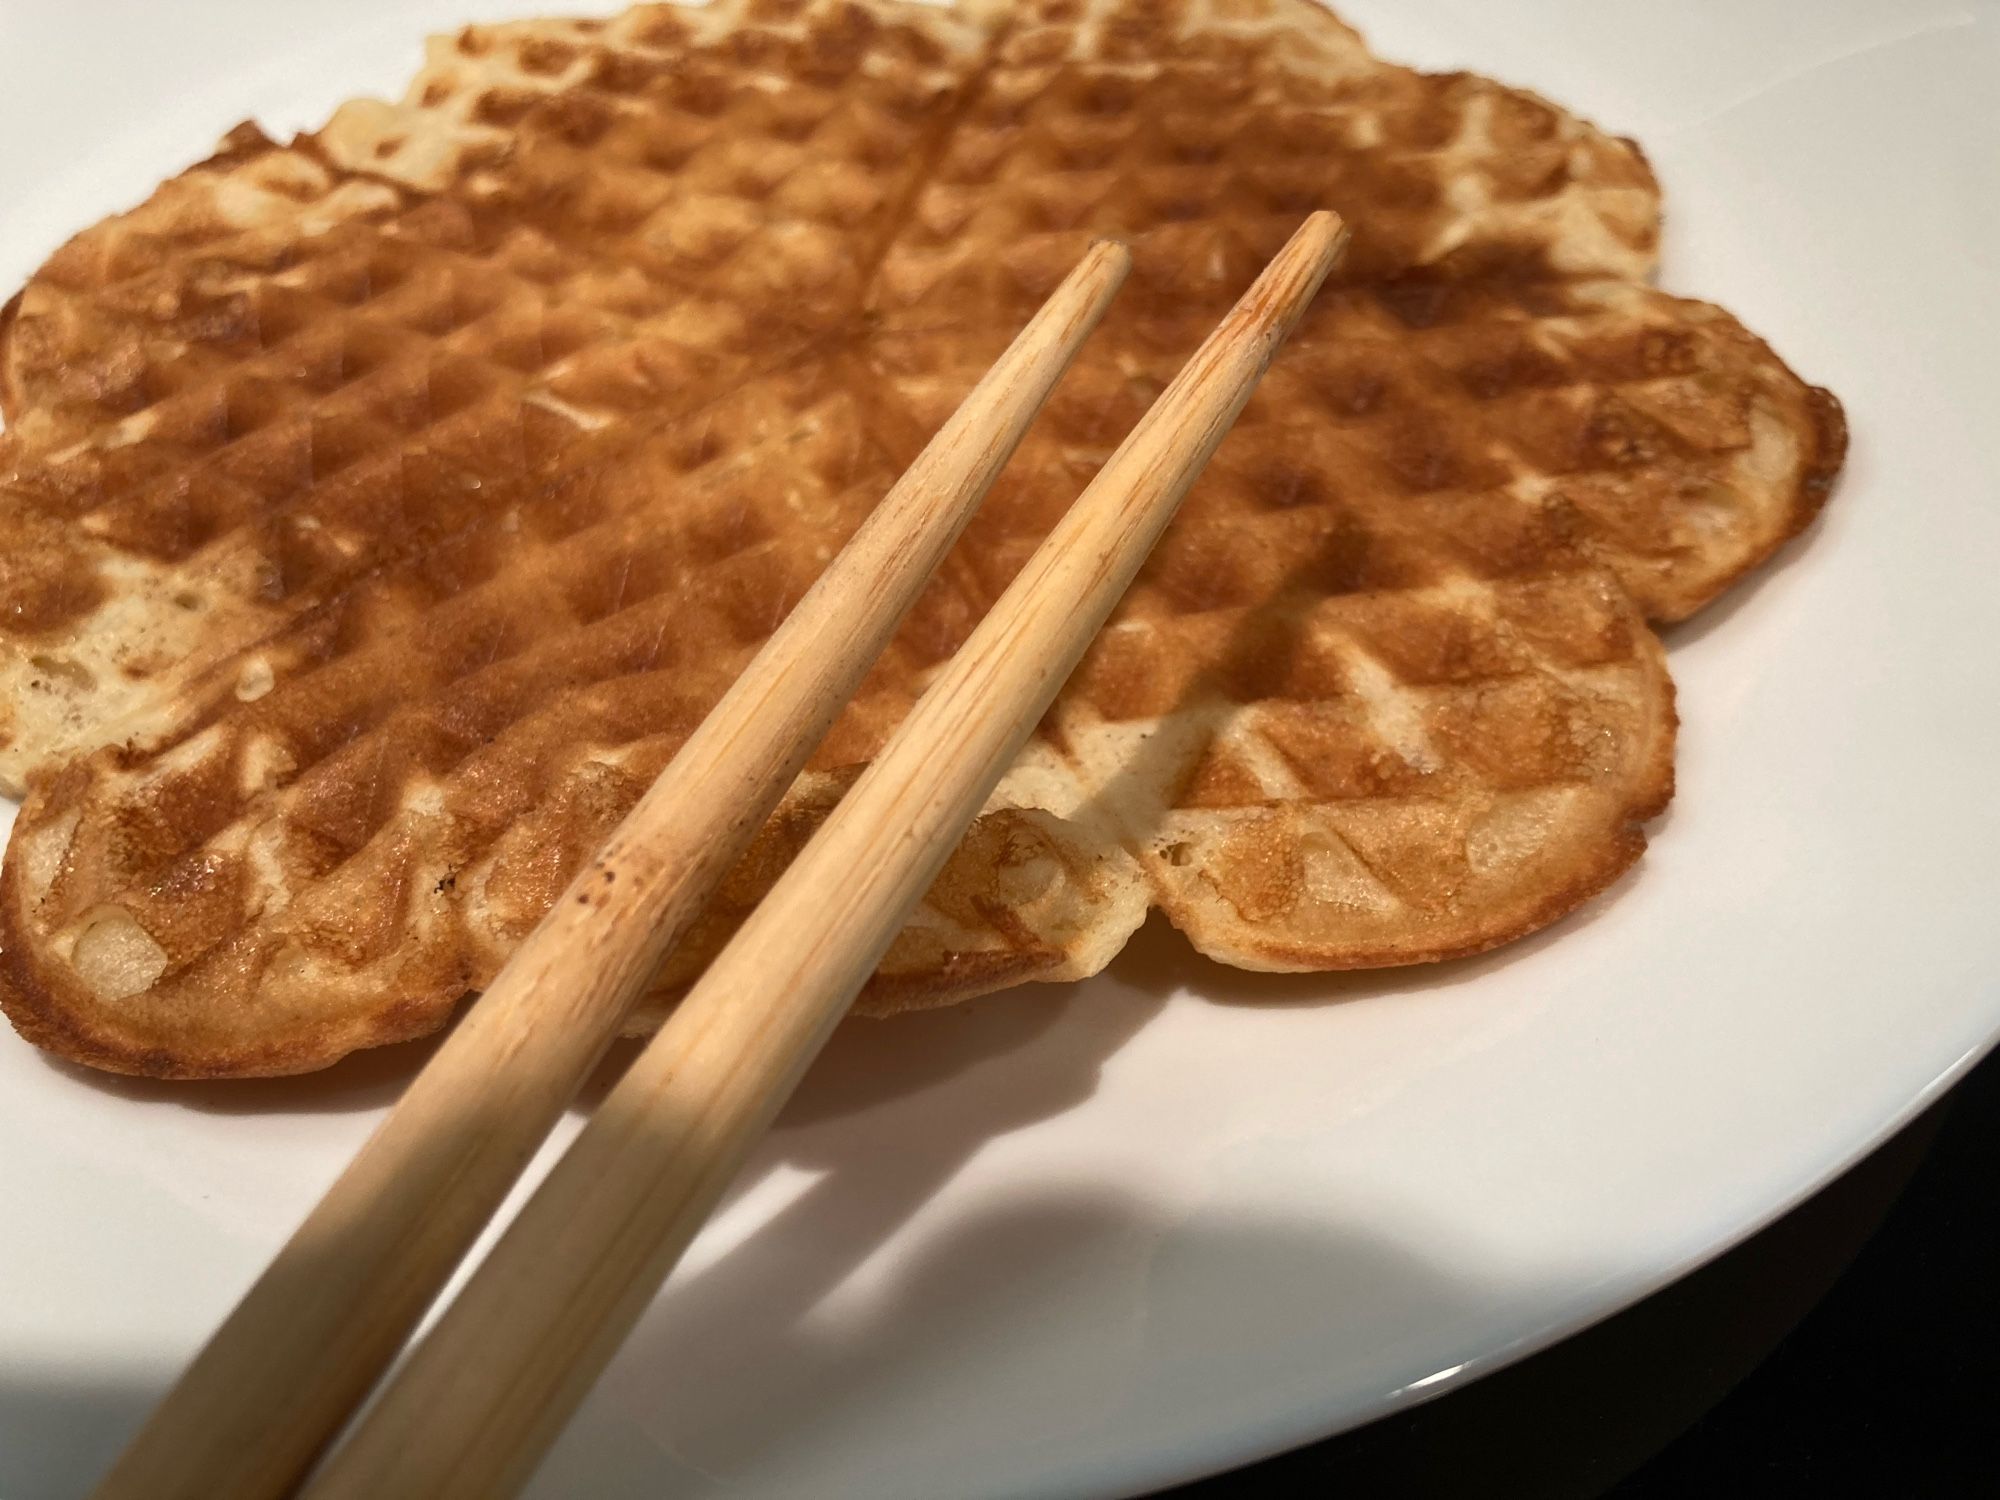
(1851,1349)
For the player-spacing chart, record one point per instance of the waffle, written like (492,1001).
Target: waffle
(378,512)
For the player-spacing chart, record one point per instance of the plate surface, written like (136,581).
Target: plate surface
(1085,1242)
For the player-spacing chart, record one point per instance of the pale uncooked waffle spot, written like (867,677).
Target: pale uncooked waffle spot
(378,513)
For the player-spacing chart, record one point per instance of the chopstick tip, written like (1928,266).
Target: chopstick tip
(1326,224)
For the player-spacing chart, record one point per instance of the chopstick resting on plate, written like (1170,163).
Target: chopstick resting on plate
(299,1352)
(491,1385)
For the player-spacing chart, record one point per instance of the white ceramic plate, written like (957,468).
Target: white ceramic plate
(1085,1242)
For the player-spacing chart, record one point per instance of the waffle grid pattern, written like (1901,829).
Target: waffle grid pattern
(388,506)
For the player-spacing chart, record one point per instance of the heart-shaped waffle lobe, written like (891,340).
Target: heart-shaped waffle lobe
(380,512)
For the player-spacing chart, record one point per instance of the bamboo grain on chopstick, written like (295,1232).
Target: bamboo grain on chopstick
(286,1369)
(510,1359)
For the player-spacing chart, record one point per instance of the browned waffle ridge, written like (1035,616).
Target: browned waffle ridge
(378,512)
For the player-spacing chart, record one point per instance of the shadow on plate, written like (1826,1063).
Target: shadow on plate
(1071,1310)
(892,1110)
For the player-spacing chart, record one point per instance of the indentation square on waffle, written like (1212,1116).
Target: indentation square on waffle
(588,648)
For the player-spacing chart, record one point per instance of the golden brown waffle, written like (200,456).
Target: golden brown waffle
(380,511)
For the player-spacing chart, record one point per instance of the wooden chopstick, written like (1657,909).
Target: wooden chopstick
(512,1356)
(286,1369)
